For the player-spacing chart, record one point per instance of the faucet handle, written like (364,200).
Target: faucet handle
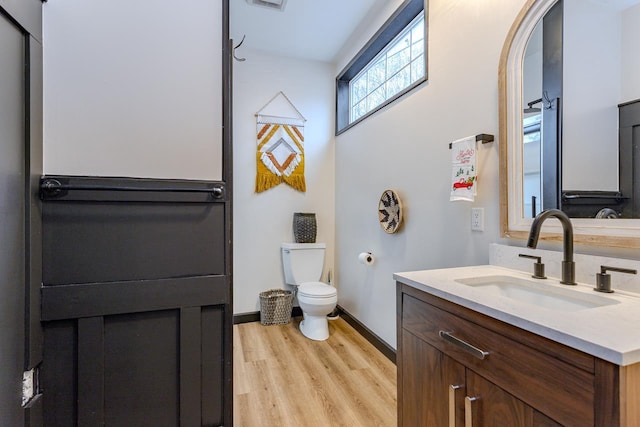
(603,280)
(538,266)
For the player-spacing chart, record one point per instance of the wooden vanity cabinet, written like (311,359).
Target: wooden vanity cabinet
(505,377)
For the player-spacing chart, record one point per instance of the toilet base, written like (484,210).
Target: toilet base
(315,327)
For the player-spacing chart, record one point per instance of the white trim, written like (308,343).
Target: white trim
(514,101)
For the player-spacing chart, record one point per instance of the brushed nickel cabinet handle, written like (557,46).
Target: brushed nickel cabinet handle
(452,404)
(475,351)
(469,403)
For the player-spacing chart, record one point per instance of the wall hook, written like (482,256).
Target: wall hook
(548,103)
(234,50)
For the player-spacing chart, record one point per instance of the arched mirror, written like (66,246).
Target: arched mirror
(569,82)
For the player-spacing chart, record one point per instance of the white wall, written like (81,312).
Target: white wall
(262,221)
(591,93)
(133,88)
(405,147)
(630,58)
(532,69)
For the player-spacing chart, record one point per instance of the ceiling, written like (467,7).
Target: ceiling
(307,29)
(312,29)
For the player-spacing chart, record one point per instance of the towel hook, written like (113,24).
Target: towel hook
(234,50)
(548,103)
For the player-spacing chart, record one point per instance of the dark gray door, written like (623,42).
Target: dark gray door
(551,162)
(20,222)
(136,302)
(629,151)
(136,296)
(12,220)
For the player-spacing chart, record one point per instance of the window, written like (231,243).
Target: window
(393,70)
(390,65)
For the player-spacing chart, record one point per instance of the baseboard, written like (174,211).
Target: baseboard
(375,340)
(246,317)
(254,316)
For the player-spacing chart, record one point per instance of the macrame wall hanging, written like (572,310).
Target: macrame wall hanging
(280,145)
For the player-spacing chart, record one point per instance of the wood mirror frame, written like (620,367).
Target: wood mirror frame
(622,233)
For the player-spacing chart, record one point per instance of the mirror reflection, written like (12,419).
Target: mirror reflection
(581,110)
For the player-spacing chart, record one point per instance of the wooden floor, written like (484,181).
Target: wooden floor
(282,378)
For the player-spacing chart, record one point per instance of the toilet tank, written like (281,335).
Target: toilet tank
(302,262)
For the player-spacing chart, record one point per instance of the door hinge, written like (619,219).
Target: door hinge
(30,386)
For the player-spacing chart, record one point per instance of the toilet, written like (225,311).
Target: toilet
(303,263)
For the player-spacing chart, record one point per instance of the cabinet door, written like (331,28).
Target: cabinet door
(429,376)
(487,405)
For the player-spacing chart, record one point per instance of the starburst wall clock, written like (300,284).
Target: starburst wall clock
(390,211)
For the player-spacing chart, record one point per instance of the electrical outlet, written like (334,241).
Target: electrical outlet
(477,219)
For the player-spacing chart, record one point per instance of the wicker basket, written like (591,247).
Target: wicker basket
(275,307)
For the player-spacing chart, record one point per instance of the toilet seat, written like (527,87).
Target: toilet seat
(317,290)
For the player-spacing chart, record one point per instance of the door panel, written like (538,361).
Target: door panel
(427,397)
(59,384)
(135,335)
(497,408)
(12,224)
(112,242)
(134,354)
(216,376)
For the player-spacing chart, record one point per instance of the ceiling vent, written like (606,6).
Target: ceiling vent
(270,4)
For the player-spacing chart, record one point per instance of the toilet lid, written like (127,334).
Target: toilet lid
(317,290)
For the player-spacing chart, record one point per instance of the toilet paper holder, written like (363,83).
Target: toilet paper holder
(366,258)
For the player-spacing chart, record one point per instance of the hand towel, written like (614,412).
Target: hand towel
(463,169)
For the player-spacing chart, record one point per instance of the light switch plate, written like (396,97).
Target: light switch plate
(477,219)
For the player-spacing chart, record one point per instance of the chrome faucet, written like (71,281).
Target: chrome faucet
(568,266)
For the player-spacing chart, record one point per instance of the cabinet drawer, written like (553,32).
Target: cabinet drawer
(560,390)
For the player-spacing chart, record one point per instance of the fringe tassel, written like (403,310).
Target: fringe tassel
(296,181)
(267,181)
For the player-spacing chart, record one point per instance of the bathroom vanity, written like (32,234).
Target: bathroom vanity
(498,352)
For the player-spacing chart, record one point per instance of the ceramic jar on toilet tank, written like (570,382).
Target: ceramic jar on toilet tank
(303,264)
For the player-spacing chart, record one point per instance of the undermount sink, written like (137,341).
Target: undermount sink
(538,293)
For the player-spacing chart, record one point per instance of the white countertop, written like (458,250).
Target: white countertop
(610,332)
